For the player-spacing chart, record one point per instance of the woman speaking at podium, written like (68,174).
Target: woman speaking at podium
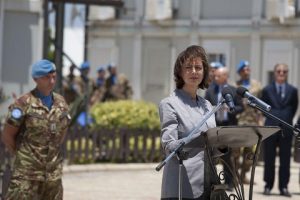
(179,114)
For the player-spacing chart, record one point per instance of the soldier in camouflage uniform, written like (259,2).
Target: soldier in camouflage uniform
(84,85)
(34,131)
(69,89)
(249,116)
(110,83)
(85,88)
(117,86)
(122,89)
(98,94)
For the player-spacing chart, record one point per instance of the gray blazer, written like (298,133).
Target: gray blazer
(179,114)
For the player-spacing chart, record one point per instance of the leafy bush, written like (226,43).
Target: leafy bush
(126,114)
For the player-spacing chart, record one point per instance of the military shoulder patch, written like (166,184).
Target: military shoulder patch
(16,113)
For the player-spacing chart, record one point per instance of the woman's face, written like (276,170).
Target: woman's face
(192,72)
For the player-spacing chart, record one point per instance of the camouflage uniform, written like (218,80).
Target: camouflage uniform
(98,95)
(249,116)
(85,90)
(84,87)
(119,91)
(69,89)
(37,168)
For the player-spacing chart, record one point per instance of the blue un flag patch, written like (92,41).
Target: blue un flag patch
(16,113)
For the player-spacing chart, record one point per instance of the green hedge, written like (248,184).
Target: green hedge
(126,114)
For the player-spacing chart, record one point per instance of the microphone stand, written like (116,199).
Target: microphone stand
(178,150)
(295,129)
(287,125)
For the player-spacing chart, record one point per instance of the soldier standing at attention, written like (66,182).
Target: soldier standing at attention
(110,83)
(85,85)
(98,94)
(35,128)
(69,88)
(249,116)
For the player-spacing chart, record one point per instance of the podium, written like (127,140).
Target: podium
(217,142)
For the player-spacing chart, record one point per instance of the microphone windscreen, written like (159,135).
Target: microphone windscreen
(227,90)
(241,91)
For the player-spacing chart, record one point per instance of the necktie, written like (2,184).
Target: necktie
(280,92)
(221,114)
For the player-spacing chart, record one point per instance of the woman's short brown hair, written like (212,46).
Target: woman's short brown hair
(191,52)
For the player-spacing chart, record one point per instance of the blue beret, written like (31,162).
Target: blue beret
(85,65)
(216,65)
(101,68)
(42,68)
(241,65)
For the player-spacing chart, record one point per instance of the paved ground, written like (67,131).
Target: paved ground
(141,181)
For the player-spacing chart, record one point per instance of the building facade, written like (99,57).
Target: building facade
(145,37)
(20,44)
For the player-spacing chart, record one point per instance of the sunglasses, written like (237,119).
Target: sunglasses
(281,71)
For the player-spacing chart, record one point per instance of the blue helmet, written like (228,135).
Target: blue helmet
(85,65)
(101,68)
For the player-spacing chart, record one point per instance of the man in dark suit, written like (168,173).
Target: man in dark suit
(214,94)
(297,145)
(223,116)
(283,98)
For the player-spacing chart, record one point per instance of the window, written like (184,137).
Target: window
(158,10)
(281,9)
(217,57)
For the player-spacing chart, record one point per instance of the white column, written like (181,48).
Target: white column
(295,80)
(139,7)
(256,9)
(194,38)
(137,51)
(255,50)
(195,10)
(195,18)
(255,57)
(1,35)
(137,67)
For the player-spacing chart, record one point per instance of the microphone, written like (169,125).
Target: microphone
(243,92)
(227,94)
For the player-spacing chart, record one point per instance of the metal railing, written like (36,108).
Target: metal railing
(83,145)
